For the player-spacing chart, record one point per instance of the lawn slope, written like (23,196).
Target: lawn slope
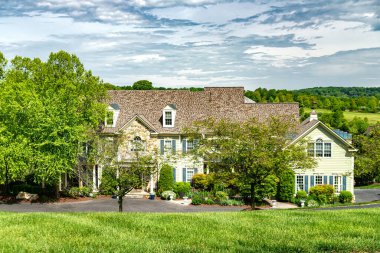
(261,231)
(373,118)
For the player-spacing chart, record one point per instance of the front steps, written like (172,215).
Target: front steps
(137,194)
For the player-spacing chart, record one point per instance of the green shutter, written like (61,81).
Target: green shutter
(184,146)
(325,180)
(173,146)
(195,171)
(306,183)
(162,146)
(174,175)
(184,175)
(344,183)
(332,180)
(311,181)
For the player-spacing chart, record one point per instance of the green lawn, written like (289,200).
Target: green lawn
(371,186)
(372,117)
(259,231)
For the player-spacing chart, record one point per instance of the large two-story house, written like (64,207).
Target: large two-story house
(154,119)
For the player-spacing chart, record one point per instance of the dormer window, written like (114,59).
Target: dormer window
(111,116)
(169,115)
(109,119)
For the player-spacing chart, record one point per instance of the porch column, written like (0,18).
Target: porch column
(151,184)
(95,189)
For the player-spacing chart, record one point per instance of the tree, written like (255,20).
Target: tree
(252,149)
(367,160)
(53,106)
(142,85)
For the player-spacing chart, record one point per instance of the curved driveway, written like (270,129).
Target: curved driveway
(366,195)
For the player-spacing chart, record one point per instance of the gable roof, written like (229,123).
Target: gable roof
(190,106)
(308,126)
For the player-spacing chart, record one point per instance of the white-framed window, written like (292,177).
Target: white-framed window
(137,144)
(300,183)
(168,118)
(319,148)
(168,144)
(189,145)
(337,184)
(109,120)
(189,174)
(318,180)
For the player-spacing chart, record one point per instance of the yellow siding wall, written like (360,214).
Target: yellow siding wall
(341,162)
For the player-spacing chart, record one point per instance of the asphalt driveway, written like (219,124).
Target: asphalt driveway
(110,205)
(366,195)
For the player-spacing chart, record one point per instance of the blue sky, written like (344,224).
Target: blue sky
(174,43)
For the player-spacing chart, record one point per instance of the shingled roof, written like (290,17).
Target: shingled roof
(192,106)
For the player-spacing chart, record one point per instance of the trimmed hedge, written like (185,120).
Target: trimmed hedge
(345,197)
(286,186)
(166,181)
(200,181)
(322,193)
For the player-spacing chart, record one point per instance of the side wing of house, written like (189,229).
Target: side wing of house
(335,160)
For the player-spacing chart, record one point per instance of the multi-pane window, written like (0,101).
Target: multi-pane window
(319,149)
(327,149)
(109,119)
(300,183)
(318,180)
(337,184)
(189,174)
(137,144)
(168,144)
(168,118)
(189,145)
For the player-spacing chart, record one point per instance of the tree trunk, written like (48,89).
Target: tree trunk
(120,201)
(253,193)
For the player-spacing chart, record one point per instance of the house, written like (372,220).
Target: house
(152,121)
(155,119)
(333,152)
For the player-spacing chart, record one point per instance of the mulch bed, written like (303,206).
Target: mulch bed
(7,199)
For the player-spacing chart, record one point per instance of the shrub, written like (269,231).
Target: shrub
(74,192)
(231,202)
(208,201)
(84,191)
(312,203)
(220,196)
(196,200)
(200,181)
(166,195)
(345,197)
(301,195)
(182,188)
(108,184)
(166,181)
(322,193)
(286,185)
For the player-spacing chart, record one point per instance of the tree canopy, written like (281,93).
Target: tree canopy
(47,109)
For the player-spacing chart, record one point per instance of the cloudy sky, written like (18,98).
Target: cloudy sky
(176,43)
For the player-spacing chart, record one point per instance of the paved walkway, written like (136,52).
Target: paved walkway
(366,195)
(111,205)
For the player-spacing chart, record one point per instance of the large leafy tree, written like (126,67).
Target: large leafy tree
(52,106)
(252,149)
(367,162)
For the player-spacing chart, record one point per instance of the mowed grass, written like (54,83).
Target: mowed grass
(371,186)
(373,118)
(259,231)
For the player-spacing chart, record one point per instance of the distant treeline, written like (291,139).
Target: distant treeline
(332,98)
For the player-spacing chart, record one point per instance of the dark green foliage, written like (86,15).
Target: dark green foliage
(182,188)
(268,188)
(85,191)
(301,195)
(142,85)
(200,181)
(208,201)
(166,180)
(196,200)
(286,185)
(345,197)
(220,196)
(74,192)
(231,202)
(322,193)
(108,184)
